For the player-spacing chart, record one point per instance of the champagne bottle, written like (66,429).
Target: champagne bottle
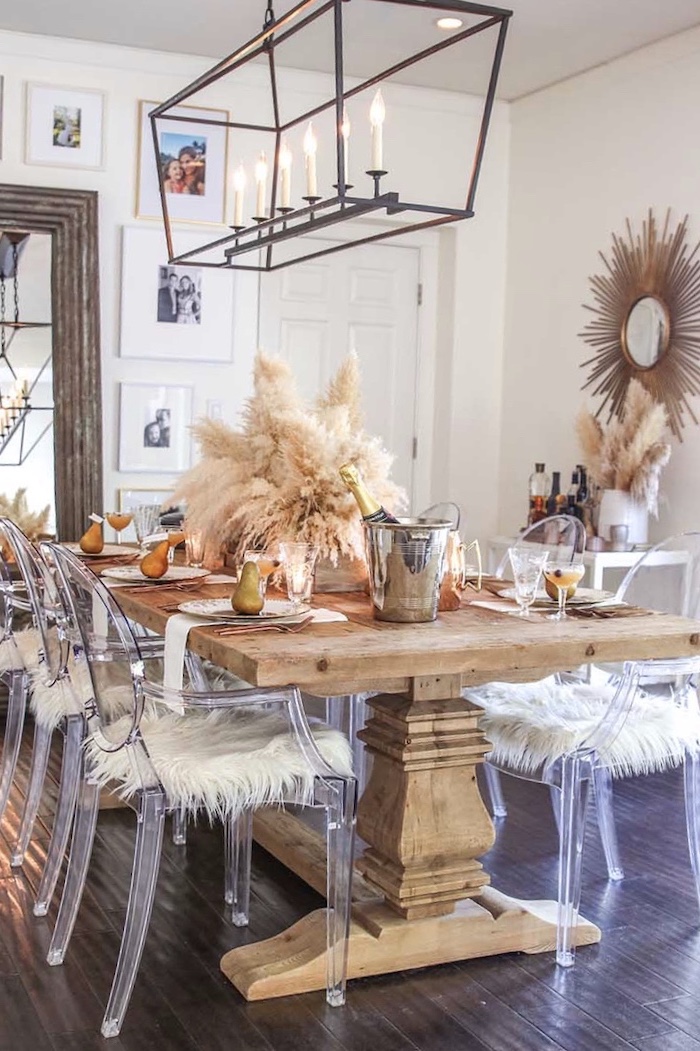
(370,508)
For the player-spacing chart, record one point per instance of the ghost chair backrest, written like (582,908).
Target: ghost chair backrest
(667,577)
(563,537)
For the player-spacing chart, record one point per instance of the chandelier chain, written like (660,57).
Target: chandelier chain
(15,280)
(2,316)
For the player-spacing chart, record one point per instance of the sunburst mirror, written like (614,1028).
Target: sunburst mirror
(647,321)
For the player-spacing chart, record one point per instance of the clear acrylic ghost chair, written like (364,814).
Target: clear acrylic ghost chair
(18,650)
(54,705)
(613,737)
(222,751)
(349,713)
(565,537)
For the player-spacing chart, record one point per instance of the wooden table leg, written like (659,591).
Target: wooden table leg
(425,825)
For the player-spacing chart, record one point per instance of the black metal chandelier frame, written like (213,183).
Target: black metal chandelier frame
(284,224)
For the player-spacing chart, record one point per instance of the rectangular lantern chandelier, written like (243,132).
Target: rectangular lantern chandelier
(346,168)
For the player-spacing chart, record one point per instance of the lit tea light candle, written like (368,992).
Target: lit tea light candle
(261,184)
(377,113)
(310,146)
(285,168)
(239,181)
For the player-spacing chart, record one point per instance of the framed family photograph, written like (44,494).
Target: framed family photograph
(191,165)
(154,427)
(64,127)
(176,313)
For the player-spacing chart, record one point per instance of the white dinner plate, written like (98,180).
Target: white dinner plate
(108,551)
(133,574)
(274,609)
(583,597)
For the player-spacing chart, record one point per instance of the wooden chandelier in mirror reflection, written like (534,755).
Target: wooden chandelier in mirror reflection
(647,321)
(294,173)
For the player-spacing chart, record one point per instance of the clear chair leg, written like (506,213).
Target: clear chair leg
(340,840)
(71,768)
(348,714)
(691,777)
(238,833)
(574,800)
(149,841)
(602,783)
(179,826)
(16,707)
(555,799)
(37,776)
(80,852)
(493,787)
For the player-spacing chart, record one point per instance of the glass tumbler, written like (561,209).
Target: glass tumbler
(146,521)
(299,564)
(194,546)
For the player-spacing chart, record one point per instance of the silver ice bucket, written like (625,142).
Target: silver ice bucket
(406,562)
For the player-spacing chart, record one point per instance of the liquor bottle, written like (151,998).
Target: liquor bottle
(582,494)
(555,492)
(370,508)
(572,507)
(538,488)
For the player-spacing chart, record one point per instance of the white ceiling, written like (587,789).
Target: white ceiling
(548,40)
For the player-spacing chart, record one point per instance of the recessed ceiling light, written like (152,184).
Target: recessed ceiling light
(449,23)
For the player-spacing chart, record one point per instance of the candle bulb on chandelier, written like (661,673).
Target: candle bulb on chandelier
(285,168)
(261,184)
(239,181)
(377,113)
(310,157)
(345,131)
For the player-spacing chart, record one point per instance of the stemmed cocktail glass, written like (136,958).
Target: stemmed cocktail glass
(563,576)
(119,520)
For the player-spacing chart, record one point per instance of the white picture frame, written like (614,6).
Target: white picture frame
(146,412)
(131,496)
(210,142)
(173,313)
(65,126)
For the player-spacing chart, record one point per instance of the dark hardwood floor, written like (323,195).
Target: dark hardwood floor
(640,988)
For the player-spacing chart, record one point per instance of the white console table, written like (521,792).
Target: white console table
(596,562)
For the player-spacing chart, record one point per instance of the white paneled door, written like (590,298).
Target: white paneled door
(364,298)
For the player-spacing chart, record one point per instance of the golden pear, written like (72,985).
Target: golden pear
(155,563)
(247,597)
(92,540)
(553,591)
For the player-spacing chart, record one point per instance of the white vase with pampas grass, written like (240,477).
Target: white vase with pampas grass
(625,458)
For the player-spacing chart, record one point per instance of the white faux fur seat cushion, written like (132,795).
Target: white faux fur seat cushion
(223,762)
(532,723)
(20,650)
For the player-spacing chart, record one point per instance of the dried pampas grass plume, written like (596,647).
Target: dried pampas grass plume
(628,452)
(276,477)
(32,523)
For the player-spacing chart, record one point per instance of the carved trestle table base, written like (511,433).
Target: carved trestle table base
(426,898)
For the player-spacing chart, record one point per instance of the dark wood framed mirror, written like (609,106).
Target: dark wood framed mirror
(70,217)
(647,320)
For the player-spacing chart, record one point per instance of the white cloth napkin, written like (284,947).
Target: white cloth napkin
(178,628)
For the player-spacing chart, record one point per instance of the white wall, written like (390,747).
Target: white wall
(469,337)
(586,155)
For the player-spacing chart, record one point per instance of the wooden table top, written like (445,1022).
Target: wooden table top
(362,654)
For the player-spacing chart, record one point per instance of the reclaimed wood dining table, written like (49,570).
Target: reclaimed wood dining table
(421,895)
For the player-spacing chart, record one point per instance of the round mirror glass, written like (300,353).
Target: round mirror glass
(646,332)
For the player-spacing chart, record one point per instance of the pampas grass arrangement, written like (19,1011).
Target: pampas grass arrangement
(276,477)
(629,451)
(32,523)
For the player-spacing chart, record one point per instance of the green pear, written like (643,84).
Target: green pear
(247,597)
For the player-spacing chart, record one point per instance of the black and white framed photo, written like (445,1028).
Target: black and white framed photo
(173,313)
(191,165)
(65,126)
(154,427)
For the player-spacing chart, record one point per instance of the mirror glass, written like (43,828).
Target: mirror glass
(27,460)
(646,332)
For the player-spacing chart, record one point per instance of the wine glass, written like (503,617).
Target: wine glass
(564,576)
(119,521)
(266,563)
(527,566)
